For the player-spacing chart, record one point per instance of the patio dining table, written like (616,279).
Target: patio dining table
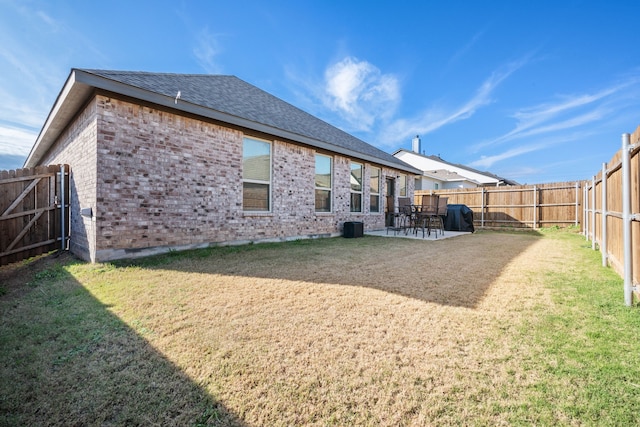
(422,218)
(410,218)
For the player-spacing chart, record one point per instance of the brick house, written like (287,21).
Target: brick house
(174,161)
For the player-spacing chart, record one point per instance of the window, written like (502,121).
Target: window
(356,187)
(323,183)
(374,190)
(256,175)
(403,185)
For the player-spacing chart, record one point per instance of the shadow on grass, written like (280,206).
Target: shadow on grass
(66,360)
(453,272)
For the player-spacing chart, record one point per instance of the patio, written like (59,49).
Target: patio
(418,236)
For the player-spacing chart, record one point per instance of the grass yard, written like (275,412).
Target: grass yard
(492,328)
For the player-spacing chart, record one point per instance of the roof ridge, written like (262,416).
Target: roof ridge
(152,73)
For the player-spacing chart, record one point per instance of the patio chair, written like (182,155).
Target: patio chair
(405,209)
(442,212)
(428,214)
(401,215)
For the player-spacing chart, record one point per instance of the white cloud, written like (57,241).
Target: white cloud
(360,92)
(466,48)
(435,118)
(206,51)
(32,70)
(540,119)
(25,110)
(14,141)
(571,118)
(569,123)
(488,161)
(47,19)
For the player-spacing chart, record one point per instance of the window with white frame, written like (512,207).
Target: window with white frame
(323,183)
(356,187)
(403,185)
(256,175)
(374,190)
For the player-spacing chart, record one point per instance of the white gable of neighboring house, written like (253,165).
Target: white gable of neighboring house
(442,180)
(431,163)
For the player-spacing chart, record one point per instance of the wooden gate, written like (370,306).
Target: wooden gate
(34,211)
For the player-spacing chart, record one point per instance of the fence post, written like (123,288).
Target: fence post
(482,216)
(626,220)
(603,232)
(535,207)
(577,204)
(593,213)
(585,210)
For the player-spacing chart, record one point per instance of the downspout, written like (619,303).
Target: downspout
(63,231)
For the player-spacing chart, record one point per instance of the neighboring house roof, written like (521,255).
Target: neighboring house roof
(224,98)
(448,176)
(490,177)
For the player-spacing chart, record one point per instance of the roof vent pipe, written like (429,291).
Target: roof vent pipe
(416,144)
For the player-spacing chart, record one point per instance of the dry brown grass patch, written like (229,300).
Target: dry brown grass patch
(389,333)
(370,331)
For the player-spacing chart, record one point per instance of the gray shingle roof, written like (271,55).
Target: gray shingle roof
(235,97)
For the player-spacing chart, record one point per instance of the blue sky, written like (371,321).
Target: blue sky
(535,91)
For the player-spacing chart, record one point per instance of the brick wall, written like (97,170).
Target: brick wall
(163,180)
(76,146)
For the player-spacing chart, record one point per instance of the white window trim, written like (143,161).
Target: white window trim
(330,188)
(371,192)
(255,181)
(405,179)
(361,192)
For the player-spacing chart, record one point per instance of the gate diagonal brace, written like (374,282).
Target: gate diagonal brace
(22,195)
(25,230)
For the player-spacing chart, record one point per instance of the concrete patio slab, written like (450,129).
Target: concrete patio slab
(410,235)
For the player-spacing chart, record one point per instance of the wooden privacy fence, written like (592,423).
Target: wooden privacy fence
(34,214)
(522,206)
(612,213)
